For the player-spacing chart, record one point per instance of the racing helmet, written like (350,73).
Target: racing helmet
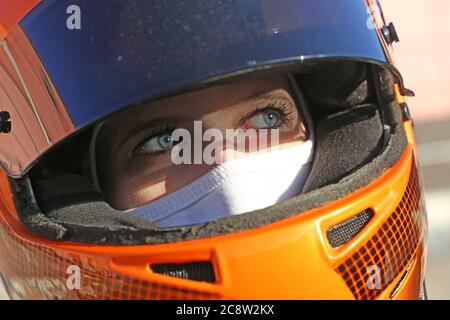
(357,229)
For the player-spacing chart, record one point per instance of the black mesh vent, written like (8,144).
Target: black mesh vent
(197,271)
(343,232)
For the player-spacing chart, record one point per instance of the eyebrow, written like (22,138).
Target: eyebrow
(269,96)
(272,95)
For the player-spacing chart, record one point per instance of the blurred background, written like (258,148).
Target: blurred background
(423,58)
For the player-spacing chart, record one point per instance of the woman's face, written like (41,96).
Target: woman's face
(133,149)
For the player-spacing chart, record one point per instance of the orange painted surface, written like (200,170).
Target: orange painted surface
(12,11)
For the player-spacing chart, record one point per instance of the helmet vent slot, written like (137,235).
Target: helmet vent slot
(391,249)
(343,232)
(196,271)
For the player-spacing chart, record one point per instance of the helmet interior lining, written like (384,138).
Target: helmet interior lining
(66,206)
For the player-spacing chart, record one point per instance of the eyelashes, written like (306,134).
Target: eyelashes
(166,130)
(157,140)
(282,108)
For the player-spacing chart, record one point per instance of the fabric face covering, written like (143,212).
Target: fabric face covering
(234,187)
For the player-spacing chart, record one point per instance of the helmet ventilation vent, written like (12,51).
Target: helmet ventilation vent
(391,248)
(196,271)
(343,232)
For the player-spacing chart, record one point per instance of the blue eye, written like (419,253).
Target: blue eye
(271,118)
(266,120)
(165,141)
(158,143)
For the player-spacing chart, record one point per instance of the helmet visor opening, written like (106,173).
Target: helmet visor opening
(67,197)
